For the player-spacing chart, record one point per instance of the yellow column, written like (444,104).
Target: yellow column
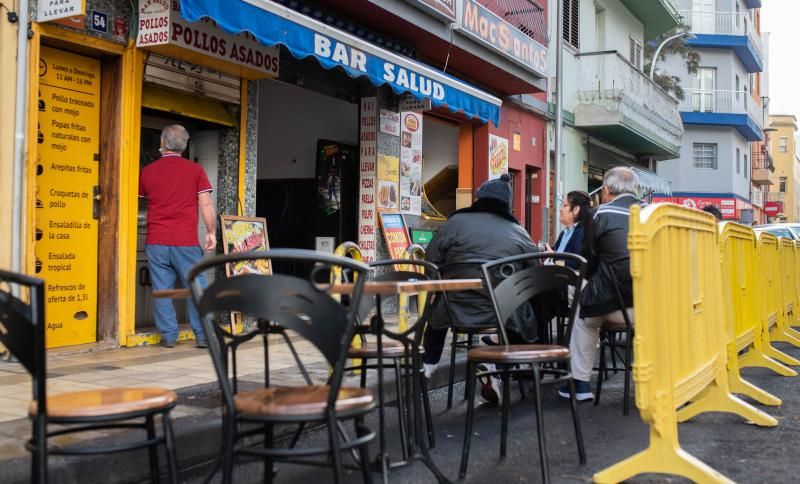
(8,84)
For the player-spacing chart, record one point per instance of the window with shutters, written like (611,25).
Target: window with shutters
(635,53)
(570,21)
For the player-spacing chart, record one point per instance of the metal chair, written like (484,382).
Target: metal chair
(514,282)
(23,334)
(393,348)
(300,304)
(609,341)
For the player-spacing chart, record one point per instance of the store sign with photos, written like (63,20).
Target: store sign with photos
(245,234)
(411,163)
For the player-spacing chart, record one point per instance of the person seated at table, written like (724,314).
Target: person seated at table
(600,307)
(485,231)
(575,215)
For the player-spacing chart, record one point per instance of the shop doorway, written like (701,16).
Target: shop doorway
(203,149)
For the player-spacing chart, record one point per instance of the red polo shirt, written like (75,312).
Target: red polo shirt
(171,185)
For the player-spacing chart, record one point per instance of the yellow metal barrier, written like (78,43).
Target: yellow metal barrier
(773,296)
(797,281)
(352,250)
(789,283)
(679,345)
(413,252)
(737,245)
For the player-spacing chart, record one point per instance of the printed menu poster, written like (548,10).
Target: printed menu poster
(498,156)
(388,178)
(67,173)
(245,234)
(368,126)
(411,163)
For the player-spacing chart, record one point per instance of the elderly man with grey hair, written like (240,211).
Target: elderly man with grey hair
(176,190)
(609,257)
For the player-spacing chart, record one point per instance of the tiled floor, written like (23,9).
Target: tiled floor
(179,367)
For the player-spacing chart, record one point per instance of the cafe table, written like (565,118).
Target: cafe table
(380,289)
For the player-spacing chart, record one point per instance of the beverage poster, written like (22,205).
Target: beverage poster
(498,156)
(245,234)
(411,163)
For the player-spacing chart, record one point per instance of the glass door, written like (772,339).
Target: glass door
(703,96)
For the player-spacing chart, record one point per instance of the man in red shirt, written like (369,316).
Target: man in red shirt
(176,189)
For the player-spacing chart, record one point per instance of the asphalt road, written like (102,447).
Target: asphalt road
(741,451)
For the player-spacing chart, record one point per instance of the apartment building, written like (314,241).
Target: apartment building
(784,201)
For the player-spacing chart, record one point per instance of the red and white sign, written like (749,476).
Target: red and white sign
(367,223)
(160,24)
(773,208)
(730,207)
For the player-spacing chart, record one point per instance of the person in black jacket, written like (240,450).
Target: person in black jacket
(600,307)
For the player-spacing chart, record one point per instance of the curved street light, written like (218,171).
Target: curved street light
(688,35)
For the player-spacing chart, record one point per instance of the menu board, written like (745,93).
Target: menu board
(368,124)
(498,156)
(395,234)
(411,163)
(245,234)
(66,178)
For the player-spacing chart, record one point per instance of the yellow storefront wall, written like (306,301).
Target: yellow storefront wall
(128,132)
(8,83)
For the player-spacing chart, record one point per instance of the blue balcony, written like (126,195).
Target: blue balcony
(753,3)
(727,30)
(736,109)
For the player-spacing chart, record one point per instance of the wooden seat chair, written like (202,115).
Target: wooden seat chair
(22,331)
(513,282)
(299,304)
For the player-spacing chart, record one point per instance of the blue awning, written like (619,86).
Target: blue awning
(304,36)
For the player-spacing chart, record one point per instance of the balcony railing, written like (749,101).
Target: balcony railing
(722,102)
(723,23)
(763,161)
(607,78)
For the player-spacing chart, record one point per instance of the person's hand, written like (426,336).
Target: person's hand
(211,242)
(547,247)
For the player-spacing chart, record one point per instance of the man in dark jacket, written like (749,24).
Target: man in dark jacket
(610,258)
(472,236)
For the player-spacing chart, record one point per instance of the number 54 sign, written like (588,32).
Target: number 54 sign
(99,21)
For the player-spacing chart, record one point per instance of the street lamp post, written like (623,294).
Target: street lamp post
(658,50)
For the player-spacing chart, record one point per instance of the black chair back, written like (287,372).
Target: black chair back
(22,327)
(291,302)
(516,280)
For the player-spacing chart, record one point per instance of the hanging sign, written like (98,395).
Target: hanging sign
(160,23)
(395,234)
(498,156)
(484,25)
(67,175)
(411,163)
(409,103)
(368,124)
(443,9)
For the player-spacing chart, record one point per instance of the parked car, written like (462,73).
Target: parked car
(791,231)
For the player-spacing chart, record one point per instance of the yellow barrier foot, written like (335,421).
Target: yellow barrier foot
(717,398)
(744,387)
(779,355)
(785,335)
(661,457)
(761,360)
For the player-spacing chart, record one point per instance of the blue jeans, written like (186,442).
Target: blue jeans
(166,263)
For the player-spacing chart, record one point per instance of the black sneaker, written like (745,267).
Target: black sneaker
(583,391)
(201,343)
(167,344)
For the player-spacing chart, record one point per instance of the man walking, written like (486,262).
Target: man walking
(176,189)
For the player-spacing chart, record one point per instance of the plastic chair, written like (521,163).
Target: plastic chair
(514,282)
(23,335)
(303,306)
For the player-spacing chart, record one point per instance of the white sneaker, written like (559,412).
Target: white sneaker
(428,369)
